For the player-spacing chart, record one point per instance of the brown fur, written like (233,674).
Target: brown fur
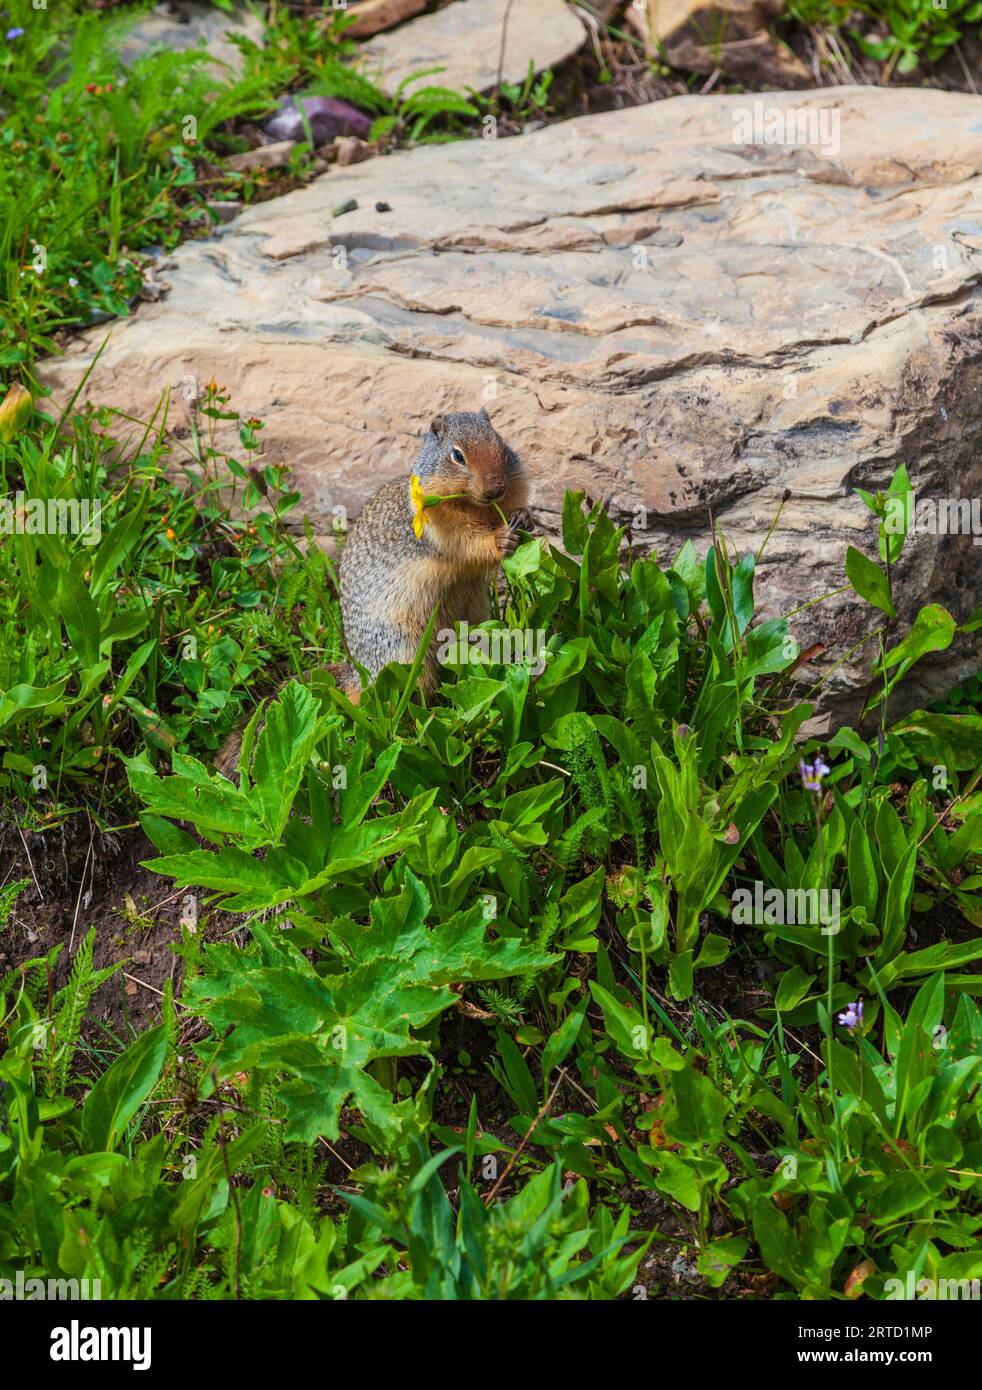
(391,580)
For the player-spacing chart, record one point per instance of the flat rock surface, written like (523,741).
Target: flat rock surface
(651,310)
(465,40)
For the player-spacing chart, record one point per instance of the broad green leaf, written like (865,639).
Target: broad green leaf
(699,1109)
(122,1089)
(916,1053)
(560,1044)
(869,581)
(283,746)
(117,544)
(863,884)
(933,631)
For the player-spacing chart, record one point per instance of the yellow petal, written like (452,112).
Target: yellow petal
(14,412)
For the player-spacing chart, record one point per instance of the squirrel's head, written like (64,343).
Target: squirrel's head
(467,454)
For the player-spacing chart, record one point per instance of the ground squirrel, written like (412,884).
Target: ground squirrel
(392,578)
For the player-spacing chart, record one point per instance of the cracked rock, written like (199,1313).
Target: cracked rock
(656,306)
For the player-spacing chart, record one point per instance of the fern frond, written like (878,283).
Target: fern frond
(68,1010)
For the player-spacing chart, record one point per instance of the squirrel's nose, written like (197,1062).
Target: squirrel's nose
(492,494)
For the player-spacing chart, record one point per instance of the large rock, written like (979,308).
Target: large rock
(680,322)
(465,39)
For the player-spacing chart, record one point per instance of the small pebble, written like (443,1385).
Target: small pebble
(382,207)
(349,205)
(225,211)
(350,150)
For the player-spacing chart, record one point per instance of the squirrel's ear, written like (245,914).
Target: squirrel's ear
(485,414)
(438,426)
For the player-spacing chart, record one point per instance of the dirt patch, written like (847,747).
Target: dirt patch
(79,877)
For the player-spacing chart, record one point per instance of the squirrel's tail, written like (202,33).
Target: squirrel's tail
(346,680)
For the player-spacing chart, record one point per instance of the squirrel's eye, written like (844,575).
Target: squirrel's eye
(458,457)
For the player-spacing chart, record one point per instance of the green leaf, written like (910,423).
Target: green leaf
(846,1077)
(795,984)
(79,614)
(21,698)
(579,912)
(678,1179)
(719,1258)
(848,738)
(680,976)
(117,545)
(282,748)
(153,728)
(933,631)
(863,883)
(251,881)
(778,1245)
(699,1109)
(625,1026)
(743,592)
(905,1194)
(559,1045)
(916,1051)
(122,1089)
(714,951)
(321,1033)
(211,803)
(869,581)
(893,526)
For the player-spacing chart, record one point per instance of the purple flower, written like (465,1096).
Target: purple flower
(853,1015)
(14,33)
(812,774)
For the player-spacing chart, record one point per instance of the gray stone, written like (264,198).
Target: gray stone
(273,156)
(465,40)
(207,27)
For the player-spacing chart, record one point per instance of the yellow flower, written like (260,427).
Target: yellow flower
(418,499)
(421,500)
(14,412)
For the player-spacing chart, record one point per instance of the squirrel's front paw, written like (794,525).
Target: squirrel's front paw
(512,538)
